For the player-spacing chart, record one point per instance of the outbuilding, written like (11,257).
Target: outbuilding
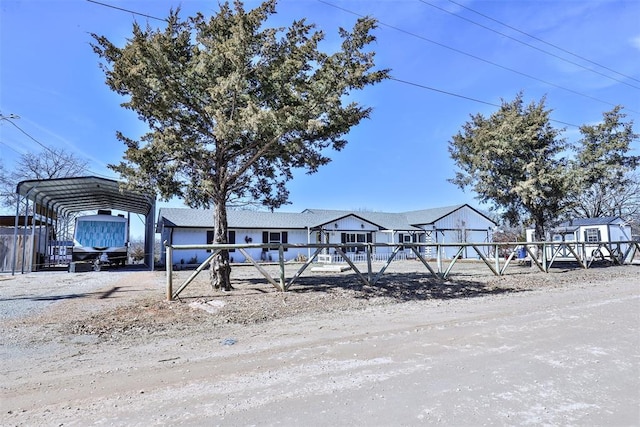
(593,232)
(51,202)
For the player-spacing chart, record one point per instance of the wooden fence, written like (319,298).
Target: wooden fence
(540,254)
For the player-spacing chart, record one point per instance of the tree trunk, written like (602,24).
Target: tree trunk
(539,236)
(220,271)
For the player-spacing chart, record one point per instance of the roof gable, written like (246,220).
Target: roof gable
(384,220)
(431,216)
(309,218)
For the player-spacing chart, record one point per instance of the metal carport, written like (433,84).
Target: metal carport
(52,198)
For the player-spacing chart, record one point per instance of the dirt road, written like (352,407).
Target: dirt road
(556,355)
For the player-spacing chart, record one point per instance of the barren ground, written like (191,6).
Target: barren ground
(106,348)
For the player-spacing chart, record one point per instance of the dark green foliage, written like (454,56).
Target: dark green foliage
(232,106)
(512,159)
(603,173)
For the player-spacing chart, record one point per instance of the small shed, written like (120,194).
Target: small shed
(591,231)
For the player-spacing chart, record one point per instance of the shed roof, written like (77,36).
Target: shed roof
(77,194)
(581,222)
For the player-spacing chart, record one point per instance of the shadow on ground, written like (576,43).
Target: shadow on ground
(397,286)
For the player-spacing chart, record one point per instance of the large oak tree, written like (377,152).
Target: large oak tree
(233,107)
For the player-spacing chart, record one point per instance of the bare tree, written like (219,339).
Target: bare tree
(49,163)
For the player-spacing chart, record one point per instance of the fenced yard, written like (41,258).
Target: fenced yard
(370,264)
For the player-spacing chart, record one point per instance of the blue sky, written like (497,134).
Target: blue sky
(395,161)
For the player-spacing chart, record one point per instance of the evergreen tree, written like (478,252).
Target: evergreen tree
(512,159)
(604,173)
(233,107)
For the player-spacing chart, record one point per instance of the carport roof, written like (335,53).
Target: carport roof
(77,194)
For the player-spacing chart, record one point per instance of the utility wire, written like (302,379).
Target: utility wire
(543,41)
(10,147)
(44,146)
(430,41)
(421,86)
(476,57)
(529,45)
(443,91)
(30,137)
(127,10)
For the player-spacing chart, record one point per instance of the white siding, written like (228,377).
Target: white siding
(199,237)
(464,225)
(293,236)
(463,218)
(615,232)
(189,237)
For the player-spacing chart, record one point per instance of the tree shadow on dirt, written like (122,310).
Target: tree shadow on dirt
(110,293)
(398,286)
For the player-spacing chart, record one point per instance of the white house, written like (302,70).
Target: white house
(453,224)
(590,231)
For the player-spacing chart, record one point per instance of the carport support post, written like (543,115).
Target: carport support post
(169,267)
(15,238)
(24,234)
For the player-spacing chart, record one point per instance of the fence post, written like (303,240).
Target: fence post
(169,268)
(369,255)
(281,260)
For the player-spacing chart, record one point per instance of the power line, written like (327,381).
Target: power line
(477,57)
(10,147)
(127,10)
(30,137)
(421,86)
(543,41)
(529,45)
(444,92)
(41,144)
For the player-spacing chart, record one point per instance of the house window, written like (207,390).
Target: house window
(231,238)
(591,235)
(404,238)
(275,238)
(356,238)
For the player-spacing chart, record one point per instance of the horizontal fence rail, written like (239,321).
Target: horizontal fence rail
(496,256)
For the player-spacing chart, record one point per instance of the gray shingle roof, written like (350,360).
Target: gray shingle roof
(580,222)
(204,218)
(384,220)
(429,216)
(312,218)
